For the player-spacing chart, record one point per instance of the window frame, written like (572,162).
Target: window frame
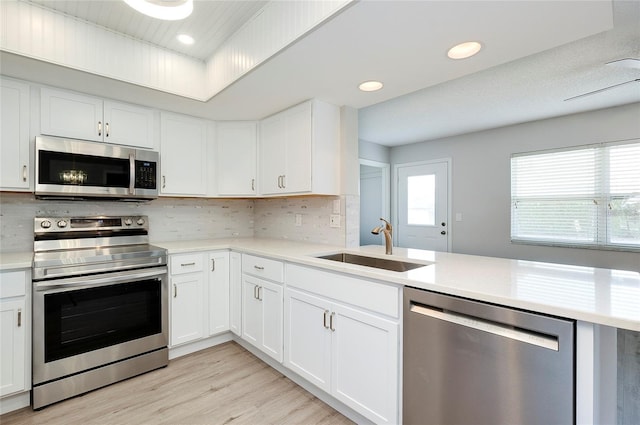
(602,198)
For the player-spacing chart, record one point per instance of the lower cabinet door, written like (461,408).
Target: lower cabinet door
(270,295)
(307,337)
(218,292)
(187,308)
(12,346)
(235,293)
(251,311)
(365,363)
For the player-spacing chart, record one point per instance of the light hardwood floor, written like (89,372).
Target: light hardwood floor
(221,385)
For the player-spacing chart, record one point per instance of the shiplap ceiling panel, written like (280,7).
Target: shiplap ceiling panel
(210,24)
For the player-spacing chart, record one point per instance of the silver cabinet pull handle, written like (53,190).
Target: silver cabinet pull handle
(331,322)
(164,182)
(253,184)
(213,264)
(24,173)
(106,128)
(258,267)
(324,319)
(255,292)
(19,317)
(284,183)
(99,128)
(259,293)
(175,290)
(187,264)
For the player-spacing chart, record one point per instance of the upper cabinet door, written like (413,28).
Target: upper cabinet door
(14,135)
(236,158)
(272,154)
(130,125)
(71,115)
(183,154)
(297,175)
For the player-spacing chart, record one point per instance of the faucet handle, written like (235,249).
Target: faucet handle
(387,224)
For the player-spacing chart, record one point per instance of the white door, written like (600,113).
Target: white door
(422,206)
(365,363)
(307,337)
(218,292)
(187,308)
(12,346)
(130,125)
(270,295)
(235,293)
(236,166)
(14,135)
(251,311)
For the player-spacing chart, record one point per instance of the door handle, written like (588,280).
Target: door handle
(175,291)
(19,317)
(443,233)
(253,184)
(259,293)
(331,322)
(24,173)
(106,128)
(213,264)
(164,182)
(324,319)
(99,128)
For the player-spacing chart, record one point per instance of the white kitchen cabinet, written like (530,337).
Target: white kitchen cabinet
(218,284)
(183,155)
(77,116)
(14,135)
(188,298)
(235,293)
(262,304)
(299,150)
(14,324)
(236,158)
(351,353)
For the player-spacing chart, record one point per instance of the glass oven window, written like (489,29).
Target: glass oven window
(84,320)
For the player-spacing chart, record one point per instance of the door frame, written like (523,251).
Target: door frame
(385,168)
(394,199)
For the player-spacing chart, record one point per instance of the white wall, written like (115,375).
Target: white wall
(370,204)
(481,181)
(374,152)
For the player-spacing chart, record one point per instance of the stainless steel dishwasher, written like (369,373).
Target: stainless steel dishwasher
(467,362)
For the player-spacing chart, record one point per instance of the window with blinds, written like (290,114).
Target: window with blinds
(587,196)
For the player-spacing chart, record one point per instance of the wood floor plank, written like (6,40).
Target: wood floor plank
(221,385)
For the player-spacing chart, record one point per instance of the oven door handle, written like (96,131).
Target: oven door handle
(99,280)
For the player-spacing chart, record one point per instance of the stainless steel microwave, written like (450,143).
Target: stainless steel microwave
(78,169)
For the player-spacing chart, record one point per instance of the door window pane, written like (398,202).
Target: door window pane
(421,200)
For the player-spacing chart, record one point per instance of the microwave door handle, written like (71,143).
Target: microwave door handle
(132,173)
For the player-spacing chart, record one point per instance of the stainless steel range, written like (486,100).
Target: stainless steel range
(99,304)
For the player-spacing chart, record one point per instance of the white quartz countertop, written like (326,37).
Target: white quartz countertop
(16,260)
(602,296)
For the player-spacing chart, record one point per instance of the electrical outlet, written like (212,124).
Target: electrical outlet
(336,206)
(334,220)
(298,220)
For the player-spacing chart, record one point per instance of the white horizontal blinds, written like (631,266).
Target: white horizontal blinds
(555,196)
(587,196)
(623,204)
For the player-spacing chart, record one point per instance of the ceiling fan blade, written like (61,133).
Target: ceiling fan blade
(602,89)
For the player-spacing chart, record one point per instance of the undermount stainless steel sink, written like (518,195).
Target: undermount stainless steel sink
(378,263)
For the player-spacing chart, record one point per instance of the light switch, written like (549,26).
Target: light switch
(458,216)
(298,220)
(334,220)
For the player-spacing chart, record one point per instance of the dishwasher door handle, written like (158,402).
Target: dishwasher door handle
(534,338)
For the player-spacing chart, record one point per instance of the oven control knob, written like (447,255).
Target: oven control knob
(128,222)
(45,224)
(140,221)
(62,223)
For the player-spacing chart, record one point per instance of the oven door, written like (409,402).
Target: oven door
(84,322)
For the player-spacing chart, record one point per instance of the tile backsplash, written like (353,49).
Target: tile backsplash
(173,219)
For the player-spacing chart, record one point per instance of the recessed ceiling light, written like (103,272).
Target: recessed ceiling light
(464,50)
(370,86)
(168,10)
(185,39)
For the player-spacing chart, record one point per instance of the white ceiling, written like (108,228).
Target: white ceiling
(211,22)
(536,54)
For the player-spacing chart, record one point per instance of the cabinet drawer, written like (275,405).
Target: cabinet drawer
(186,263)
(263,267)
(13,284)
